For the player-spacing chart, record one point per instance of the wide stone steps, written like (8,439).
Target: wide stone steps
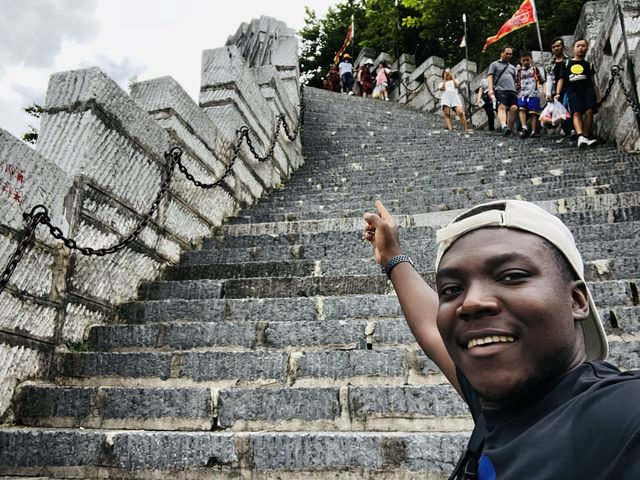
(198,455)
(451,201)
(352,246)
(328,278)
(232,238)
(346,408)
(620,314)
(396,365)
(349,187)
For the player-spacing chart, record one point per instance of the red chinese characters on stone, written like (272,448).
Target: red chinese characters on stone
(11,179)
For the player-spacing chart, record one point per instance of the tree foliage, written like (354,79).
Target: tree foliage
(31,135)
(427,27)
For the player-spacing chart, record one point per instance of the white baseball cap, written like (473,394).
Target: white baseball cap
(530,218)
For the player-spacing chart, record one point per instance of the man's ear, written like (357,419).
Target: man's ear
(579,301)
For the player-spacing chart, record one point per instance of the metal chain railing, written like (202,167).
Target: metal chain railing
(244,135)
(40,215)
(616,72)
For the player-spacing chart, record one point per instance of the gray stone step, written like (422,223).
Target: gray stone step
(268,334)
(113,407)
(417,202)
(348,408)
(395,365)
(199,455)
(300,368)
(353,257)
(607,293)
(618,307)
(327,241)
(264,309)
(364,278)
(585,210)
(418,241)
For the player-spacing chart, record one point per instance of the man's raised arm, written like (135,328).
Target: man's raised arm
(419,302)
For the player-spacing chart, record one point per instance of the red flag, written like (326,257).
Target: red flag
(523,17)
(347,39)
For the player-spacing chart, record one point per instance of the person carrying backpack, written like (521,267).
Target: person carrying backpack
(529,82)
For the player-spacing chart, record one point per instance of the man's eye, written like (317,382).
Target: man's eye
(449,290)
(513,275)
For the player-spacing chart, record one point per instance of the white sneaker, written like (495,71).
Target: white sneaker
(585,142)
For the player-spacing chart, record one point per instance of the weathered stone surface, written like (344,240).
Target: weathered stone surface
(162,451)
(187,290)
(327,333)
(406,401)
(126,365)
(235,365)
(49,448)
(19,363)
(41,402)
(342,365)
(299,451)
(275,405)
(219,334)
(134,403)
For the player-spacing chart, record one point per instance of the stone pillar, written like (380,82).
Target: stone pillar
(407,67)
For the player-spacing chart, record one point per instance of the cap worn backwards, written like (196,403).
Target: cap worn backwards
(530,218)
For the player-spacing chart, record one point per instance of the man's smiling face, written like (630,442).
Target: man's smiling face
(508,314)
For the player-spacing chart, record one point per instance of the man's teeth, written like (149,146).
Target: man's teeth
(490,339)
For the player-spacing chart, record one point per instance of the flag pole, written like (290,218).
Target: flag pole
(353,32)
(466,64)
(535,17)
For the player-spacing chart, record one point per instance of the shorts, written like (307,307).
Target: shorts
(506,98)
(583,99)
(451,99)
(530,105)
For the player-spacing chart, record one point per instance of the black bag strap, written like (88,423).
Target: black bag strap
(467,466)
(496,78)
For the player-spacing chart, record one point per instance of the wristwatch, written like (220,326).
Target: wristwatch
(395,261)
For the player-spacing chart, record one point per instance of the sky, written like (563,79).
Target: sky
(125,38)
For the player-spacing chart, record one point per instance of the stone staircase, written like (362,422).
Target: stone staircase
(278,350)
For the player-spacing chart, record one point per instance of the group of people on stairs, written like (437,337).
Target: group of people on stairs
(340,78)
(513,93)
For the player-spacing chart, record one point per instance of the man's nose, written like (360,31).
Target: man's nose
(479,300)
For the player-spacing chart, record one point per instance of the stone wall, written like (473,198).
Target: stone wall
(600,24)
(98,166)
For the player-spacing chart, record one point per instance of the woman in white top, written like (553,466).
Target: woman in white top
(451,100)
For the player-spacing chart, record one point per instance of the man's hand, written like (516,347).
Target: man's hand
(381,230)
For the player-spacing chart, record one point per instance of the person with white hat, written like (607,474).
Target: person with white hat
(346,74)
(365,80)
(513,327)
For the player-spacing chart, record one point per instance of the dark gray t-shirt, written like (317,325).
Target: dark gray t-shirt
(585,426)
(507,80)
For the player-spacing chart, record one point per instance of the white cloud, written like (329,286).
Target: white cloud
(32,31)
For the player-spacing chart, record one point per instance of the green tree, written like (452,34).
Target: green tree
(440,24)
(426,28)
(31,136)
(323,37)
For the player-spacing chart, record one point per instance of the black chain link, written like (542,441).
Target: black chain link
(35,217)
(40,215)
(616,72)
(244,136)
(420,86)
